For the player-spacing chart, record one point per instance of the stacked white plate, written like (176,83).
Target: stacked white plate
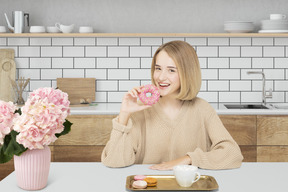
(238,26)
(274,26)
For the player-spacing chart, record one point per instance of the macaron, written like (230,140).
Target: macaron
(139,184)
(139,177)
(151,182)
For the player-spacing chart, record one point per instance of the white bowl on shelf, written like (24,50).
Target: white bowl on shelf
(239,26)
(37,29)
(52,29)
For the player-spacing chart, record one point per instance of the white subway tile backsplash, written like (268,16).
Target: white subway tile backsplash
(62,63)
(96,73)
(146,63)
(168,39)
(84,63)
(18,41)
(207,51)
(273,52)
(140,51)
(51,74)
(281,41)
(29,73)
(139,74)
(38,84)
(196,41)
(73,73)
(100,97)
(281,85)
(257,85)
(274,74)
(107,63)
(115,97)
(218,63)
(62,41)
(240,85)
(85,41)
(277,97)
(218,85)
(251,52)
(251,97)
(229,51)
(107,85)
(121,63)
(73,51)
(203,63)
(118,51)
(128,85)
(151,41)
(129,41)
(29,51)
(262,63)
(203,85)
(3,41)
(240,63)
(281,63)
(129,62)
(229,73)
(209,96)
(107,41)
(229,97)
(218,41)
(262,41)
(51,51)
(154,49)
(40,41)
(209,74)
(118,74)
(40,63)
(240,41)
(95,52)
(22,62)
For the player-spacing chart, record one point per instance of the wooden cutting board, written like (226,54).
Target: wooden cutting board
(7,72)
(77,88)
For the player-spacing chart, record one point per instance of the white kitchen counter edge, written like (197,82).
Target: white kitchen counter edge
(114,108)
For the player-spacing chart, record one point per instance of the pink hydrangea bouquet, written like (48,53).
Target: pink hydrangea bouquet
(7,115)
(41,121)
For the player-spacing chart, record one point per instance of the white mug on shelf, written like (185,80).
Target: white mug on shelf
(277,16)
(186,175)
(65,28)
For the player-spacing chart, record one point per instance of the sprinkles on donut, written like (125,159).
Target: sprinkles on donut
(154,98)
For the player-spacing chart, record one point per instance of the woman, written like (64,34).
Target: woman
(180,129)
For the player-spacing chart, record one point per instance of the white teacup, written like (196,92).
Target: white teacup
(2,29)
(186,175)
(277,16)
(85,29)
(65,28)
(52,29)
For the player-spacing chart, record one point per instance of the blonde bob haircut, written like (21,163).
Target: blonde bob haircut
(187,63)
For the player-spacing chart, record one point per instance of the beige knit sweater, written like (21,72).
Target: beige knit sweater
(150,137)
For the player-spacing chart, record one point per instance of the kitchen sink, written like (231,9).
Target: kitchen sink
(246,106)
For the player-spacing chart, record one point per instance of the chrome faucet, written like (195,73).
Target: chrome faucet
(264,95)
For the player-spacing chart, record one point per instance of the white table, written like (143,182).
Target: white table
(94,177)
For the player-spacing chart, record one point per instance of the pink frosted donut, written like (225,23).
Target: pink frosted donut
(154,95)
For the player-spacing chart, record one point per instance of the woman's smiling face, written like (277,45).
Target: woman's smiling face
(166,75)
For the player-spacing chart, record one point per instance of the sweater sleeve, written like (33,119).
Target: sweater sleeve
(121,149)
(224,152)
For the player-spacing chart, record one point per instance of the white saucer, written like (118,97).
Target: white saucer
(273,31)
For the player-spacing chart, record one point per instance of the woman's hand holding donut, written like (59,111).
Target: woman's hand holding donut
(130,105)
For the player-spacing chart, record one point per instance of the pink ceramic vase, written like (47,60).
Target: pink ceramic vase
(32,168)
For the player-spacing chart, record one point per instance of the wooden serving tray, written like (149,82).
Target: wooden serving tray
(168,182)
